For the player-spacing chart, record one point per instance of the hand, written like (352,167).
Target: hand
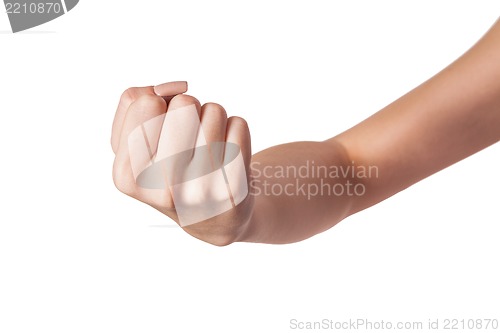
(188,161)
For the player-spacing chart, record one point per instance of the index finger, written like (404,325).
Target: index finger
(132,94)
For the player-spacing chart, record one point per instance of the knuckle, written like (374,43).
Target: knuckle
(128,96)
(150,101)
(214,107)
(122,181)
(150,104)
(238,121)
(182,100)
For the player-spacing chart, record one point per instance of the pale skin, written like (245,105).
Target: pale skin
(451,116)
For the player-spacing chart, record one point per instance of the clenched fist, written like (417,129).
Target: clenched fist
(188,161)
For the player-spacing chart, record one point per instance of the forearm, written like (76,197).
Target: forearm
(446,119)
(299,190)
(449,117)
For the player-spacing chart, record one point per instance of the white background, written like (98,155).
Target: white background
(76,255)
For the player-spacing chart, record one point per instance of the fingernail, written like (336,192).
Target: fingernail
(171,88)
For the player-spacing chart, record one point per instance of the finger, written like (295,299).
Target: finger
(132,94)
(213,124)
(181,127)
(237,157)
(182,100)
(238,132)
(180,135)
(138,140)
(127,98)
(140,170)
(197,184)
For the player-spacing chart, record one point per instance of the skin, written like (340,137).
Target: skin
(447,118)
(138,105)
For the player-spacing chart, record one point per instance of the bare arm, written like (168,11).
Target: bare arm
(451,116)
(300,189)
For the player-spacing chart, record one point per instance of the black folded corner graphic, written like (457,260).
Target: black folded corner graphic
(26,14)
